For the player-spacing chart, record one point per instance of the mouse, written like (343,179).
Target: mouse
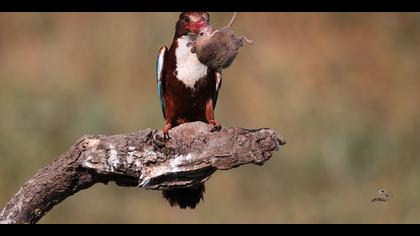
(217,48)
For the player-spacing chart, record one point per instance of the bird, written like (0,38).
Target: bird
(385,196)
(188,92)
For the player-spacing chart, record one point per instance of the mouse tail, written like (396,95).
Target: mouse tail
(232,20)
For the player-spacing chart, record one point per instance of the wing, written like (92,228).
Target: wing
(160,79)
(218,77)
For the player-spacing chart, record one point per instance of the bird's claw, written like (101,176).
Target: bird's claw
(160,141)
(166,132)
(216,126)
(156,141)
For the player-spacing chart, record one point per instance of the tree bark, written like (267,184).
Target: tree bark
(142,159)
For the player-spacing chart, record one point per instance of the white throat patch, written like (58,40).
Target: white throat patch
(188,67)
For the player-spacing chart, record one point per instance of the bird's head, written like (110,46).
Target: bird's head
(191,22)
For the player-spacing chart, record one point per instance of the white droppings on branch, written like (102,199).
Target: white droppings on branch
(88,163)
(188,158)
(113,160)
(180,160)
(134,157)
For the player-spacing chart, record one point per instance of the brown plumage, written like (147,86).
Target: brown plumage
(185,104)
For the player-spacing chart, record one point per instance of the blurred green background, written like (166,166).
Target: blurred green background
(342,88)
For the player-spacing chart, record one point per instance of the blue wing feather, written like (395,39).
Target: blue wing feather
(159,76)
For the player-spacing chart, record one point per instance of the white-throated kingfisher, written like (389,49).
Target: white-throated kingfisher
(188,91)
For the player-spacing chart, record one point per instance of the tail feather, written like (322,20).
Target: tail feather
(185,197)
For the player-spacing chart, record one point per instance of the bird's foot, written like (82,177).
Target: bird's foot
(158,140)
(166,132)
(216,125)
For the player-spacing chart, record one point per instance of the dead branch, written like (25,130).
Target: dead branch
(140,159)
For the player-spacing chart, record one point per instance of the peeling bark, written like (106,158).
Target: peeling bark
(142,159)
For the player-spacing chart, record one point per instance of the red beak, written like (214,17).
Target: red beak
(196,27)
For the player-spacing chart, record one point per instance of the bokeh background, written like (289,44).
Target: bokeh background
(342,88)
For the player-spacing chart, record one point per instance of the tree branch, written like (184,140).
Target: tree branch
(140,159)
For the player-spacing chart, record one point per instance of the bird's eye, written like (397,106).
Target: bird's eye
(186,20)
(201,34)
